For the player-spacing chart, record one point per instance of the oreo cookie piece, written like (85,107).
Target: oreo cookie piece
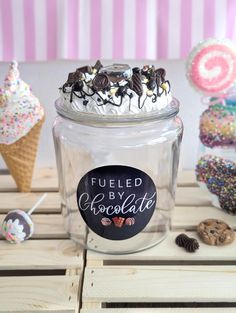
(101,82)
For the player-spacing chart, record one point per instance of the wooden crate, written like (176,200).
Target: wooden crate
(43,274)
(166,279)
(49,273)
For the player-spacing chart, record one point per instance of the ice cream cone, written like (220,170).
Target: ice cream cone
(20,157)
(21,119)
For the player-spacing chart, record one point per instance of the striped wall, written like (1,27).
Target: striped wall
(35,30)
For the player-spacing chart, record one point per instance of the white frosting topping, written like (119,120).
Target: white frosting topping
(108,102)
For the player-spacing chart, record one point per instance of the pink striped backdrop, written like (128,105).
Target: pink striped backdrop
(35,30)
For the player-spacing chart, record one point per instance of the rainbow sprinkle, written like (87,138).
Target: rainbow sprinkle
(219,175)
(218,126)
(20,110)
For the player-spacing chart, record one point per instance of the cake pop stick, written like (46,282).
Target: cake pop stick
(18,226)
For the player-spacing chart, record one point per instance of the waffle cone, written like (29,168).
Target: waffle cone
(20,157)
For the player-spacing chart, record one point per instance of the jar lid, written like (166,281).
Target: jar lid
(116,93)
(87,118)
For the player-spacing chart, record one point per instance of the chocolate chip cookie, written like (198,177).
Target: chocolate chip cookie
(215,232)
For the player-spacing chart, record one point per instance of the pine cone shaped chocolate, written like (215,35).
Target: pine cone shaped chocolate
(189,244)
(137,82)
(181,240)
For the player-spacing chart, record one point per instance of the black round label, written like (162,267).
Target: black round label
(116,201)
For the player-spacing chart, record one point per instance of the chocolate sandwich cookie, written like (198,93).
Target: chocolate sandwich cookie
(215,232)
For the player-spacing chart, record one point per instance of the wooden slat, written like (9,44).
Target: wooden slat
(40,254)
(44,179)
(184,217)
(192,196)
(186,178)
(161,310)
(167,250)
(24,201)
(39,294)
(160,284)
(46,226)
(50,226)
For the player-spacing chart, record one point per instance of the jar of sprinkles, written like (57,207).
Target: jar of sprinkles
(117,141)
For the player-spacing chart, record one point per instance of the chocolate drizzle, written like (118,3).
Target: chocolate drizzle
(110,87)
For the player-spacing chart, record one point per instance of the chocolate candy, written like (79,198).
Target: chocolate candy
(161,73)
(101,82)
(137,81)
(84,70)
(98,65)
(190,244)
(74,77)
(151,84)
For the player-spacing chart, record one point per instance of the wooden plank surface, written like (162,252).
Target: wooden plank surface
(186,178)
(160,310)
(160,284)
(40,254)
(44,179)
(24,201)
(192,196)
(46,226)
(188,217)
(39,294)
(167,250)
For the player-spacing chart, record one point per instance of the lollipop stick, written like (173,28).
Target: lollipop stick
(37,203)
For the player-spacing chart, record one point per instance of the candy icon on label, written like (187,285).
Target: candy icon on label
(106,221)
(116,202)
(130,221)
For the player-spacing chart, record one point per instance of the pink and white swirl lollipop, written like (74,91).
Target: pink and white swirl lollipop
(211,66)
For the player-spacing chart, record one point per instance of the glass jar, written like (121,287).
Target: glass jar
(117,177)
